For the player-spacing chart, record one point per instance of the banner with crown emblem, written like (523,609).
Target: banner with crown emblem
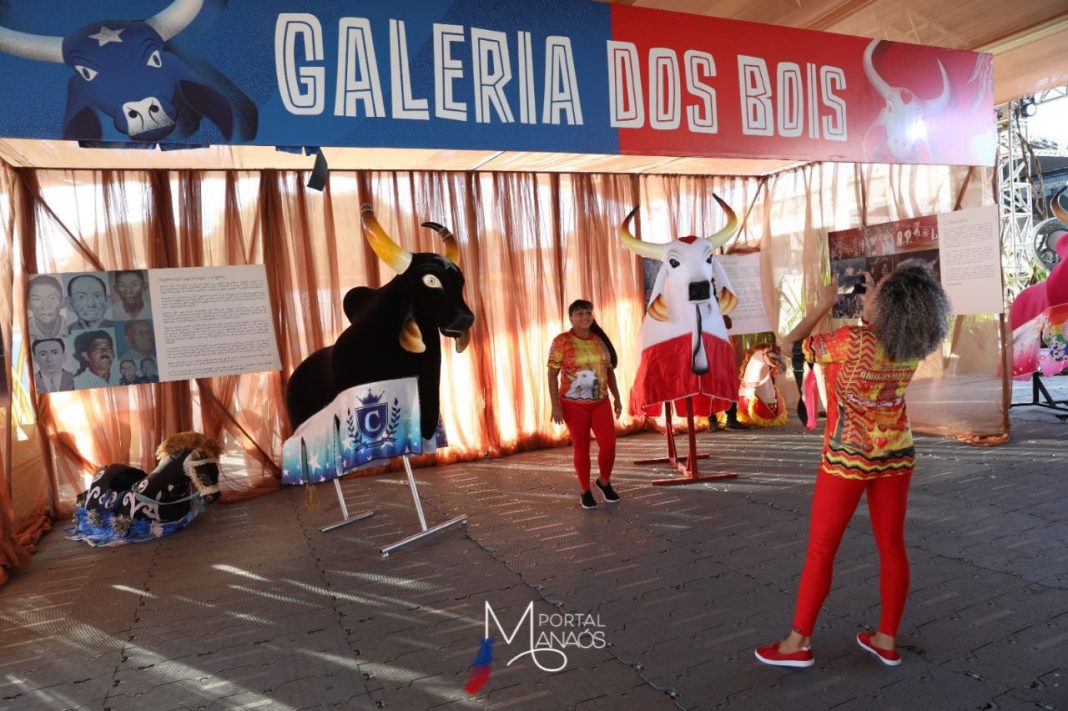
(364,426)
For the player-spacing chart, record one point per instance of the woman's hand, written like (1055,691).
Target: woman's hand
(617,407)
(828,294)
(558,414)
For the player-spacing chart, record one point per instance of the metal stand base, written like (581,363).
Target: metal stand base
(1039,389)
(422,519)
(345,518)
(422,534)
(687,465)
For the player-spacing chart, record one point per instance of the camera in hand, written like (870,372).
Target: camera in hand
(851,284)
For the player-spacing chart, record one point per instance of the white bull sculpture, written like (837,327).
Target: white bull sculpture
(685,348)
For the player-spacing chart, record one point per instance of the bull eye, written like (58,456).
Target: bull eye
(674,263)
(432,281)
(708,259)
(86,73)
(154,60)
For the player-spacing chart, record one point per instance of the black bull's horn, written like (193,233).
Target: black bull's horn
(397,257)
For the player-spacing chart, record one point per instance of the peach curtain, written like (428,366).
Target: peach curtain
(530,244)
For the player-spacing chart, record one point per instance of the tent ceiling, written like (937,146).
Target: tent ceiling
(1027,38)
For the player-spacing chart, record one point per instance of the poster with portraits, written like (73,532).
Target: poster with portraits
(135,326)
(963,248)
(878,249)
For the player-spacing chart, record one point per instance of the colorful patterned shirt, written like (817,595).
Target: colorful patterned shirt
(868,434)
(583,364)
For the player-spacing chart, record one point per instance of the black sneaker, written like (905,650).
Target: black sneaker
(610,495)
(587,500)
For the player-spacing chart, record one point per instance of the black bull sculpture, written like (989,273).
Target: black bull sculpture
(392,329)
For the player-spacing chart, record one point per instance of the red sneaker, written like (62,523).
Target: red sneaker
(889,657)
(770,654)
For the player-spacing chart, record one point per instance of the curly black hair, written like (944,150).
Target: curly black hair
(911,312)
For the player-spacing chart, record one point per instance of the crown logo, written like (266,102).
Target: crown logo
(371,398)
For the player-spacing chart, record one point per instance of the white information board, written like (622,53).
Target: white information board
(970,255)
(749,315)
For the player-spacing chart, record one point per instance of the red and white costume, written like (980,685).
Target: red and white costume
(685,349)
(671,350)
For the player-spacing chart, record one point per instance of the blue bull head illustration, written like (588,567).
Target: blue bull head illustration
(123,69)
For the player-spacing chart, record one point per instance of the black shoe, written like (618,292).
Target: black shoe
(610,495)
(587,500)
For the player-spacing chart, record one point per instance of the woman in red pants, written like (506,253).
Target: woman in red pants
(867,447)
(581,374)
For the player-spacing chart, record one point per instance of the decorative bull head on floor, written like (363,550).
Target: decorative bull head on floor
(392,332)
(904,117)
(122,69)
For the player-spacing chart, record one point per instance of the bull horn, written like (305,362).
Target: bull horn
(396,257)
(942,100)
(884,89)
(644,249)
(1059,212)
(452,248)
(411,338)
(727,233)
(175,17)
(40,48)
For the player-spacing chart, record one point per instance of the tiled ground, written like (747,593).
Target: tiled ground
(253,607)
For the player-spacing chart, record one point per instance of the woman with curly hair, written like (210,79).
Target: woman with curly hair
(867,447)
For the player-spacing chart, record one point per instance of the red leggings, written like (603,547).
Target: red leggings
(833,504)
(580,417)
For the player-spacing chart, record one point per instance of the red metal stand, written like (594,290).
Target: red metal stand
(687,465)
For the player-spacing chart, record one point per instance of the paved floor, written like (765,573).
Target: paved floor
(253,607)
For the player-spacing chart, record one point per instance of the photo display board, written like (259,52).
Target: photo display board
(129,327)
(961,247)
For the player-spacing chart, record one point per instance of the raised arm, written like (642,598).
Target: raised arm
(825,302)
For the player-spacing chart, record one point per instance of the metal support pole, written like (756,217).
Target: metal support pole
(687,466)
(345,518)
(424,532)
(415,492)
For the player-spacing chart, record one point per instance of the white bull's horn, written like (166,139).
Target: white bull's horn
(644,249)
(41,48)
(452,248)
(395,256)
(727,233)
(884,89)
(1055,205)
(174,18)
(942,100)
